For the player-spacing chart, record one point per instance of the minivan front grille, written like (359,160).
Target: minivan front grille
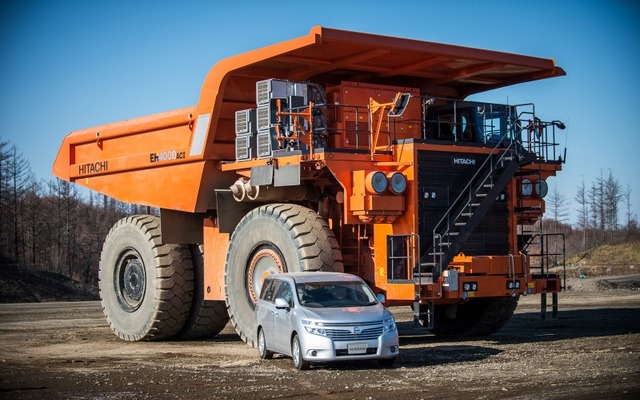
(343,335)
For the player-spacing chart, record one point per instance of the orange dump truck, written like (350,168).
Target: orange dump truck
(336,151)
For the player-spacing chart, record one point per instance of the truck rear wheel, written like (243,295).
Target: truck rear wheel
(270,239)
(478,317)
(146,287)
(207,318)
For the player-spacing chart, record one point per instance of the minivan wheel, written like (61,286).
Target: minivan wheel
(262,346)
(296,353)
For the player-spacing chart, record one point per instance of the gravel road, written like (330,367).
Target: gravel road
(592,351)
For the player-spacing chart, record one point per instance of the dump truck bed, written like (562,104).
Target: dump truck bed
(173,160)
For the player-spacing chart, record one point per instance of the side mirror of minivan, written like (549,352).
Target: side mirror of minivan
(281,303)
(381,298)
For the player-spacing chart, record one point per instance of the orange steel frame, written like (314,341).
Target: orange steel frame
(175,159)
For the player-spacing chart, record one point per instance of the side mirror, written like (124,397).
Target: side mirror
(400,104)
(281,303)
(381,298)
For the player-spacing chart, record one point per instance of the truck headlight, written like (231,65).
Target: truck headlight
(376,182)
(470,286)
(541,188)
(526,187)
(397,182)
(511,285)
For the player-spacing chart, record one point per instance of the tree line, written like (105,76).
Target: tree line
(49,225)
(603,212)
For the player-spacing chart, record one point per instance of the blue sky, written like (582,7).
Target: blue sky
(67,64)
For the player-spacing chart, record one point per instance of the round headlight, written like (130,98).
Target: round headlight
(397,182)
(542,188)
(526,188)
(376,182)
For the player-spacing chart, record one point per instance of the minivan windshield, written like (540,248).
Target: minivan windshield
(335,294)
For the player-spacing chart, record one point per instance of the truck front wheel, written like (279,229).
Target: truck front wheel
(270,239)
(146,287)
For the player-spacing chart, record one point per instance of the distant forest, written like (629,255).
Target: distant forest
(48,225)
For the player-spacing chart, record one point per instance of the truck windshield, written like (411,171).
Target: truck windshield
(469,122)
(335,294)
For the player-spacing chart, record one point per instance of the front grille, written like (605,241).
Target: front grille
(351,324)
(343,335)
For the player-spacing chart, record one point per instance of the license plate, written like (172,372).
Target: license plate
(357,348)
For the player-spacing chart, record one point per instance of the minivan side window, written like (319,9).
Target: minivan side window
(286,293)
(270,287)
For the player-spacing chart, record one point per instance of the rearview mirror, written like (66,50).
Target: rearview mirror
(400,104)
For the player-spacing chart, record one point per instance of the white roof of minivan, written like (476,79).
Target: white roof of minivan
(303,277)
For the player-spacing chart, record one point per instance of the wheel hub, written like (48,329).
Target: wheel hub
(130,281)
(264,262)
(134,279)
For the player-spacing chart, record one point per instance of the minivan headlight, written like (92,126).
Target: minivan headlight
(316,328)
(389,325)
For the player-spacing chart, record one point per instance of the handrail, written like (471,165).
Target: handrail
(545,254)
(437,246)
(473,178)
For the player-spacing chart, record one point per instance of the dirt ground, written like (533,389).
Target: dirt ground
(592,351)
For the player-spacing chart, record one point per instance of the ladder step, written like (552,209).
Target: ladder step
(453,233)
(466,214)
(481,195)
(437,253)
(427,264)
(475,204)
(460,223)
(488,185)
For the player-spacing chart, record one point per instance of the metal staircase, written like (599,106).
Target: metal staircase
(471,205)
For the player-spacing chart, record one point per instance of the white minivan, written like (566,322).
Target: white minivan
(322,317)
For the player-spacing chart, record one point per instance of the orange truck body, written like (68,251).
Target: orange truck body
(182,161)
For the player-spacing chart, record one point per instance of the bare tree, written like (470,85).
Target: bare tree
(17,172)
(63,204)
(596,207)
(583,212)
(4,190)
(630,217)
(612,195)
(34,218)
(557,205)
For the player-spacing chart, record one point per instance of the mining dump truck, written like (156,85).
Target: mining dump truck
(334,151)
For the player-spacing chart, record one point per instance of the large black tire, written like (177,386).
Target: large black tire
(270,239)
(207,318)
(146,287)
(478,317)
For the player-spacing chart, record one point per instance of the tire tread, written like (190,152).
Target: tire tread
(174,283)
